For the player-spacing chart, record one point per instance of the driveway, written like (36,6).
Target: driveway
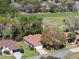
(17,55)
(41,51)
(61,54)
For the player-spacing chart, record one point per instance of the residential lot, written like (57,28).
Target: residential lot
(27,51)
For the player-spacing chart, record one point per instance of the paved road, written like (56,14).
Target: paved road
(60,54)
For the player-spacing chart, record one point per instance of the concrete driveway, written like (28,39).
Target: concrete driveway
(17,55)
(41,51)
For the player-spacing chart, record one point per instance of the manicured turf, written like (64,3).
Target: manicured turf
(72,56)
(58,21)
(56,18)
(27,51)
(58,14)
(7,57)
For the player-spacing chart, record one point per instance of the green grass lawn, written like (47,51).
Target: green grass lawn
(56,18)
(58,21)
(58,14)
(27,51)
(72,56)
(7,57)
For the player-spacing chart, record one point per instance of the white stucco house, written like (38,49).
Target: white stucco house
(10,46)
(33,40)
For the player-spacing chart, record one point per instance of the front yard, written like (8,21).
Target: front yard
(27,51)
(7,57)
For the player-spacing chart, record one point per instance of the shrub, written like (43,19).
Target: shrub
(71,37)
(21,50)
(62,46)
(7,52)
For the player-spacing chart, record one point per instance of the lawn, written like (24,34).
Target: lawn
(58,14)
(72,56)
(27,51)
(55,18)
(7,57)
(57,21)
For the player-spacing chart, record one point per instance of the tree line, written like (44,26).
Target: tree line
(16,28)
(35,6)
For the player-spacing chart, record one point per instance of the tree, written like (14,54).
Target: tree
(70,5)
(52,38)
(4,6)
(30,27)
(47,39)
(59,37)
(71,24)
(67,5)
(53,7)
(28,1)
(12,10)
(57,34)
(7,8)
(71,37)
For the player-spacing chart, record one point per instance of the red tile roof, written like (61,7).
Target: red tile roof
(12,45)
(77,37)
(66,33)
(33,39)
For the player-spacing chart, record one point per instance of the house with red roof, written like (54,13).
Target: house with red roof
(77,35)
(66,33)
(33,40)
(9,45)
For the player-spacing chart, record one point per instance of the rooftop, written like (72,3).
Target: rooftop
(33,39)
(12,45)
(66,33)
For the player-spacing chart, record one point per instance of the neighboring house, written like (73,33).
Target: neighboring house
(66,33)
(77,36)
(9,45)
(33,40)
